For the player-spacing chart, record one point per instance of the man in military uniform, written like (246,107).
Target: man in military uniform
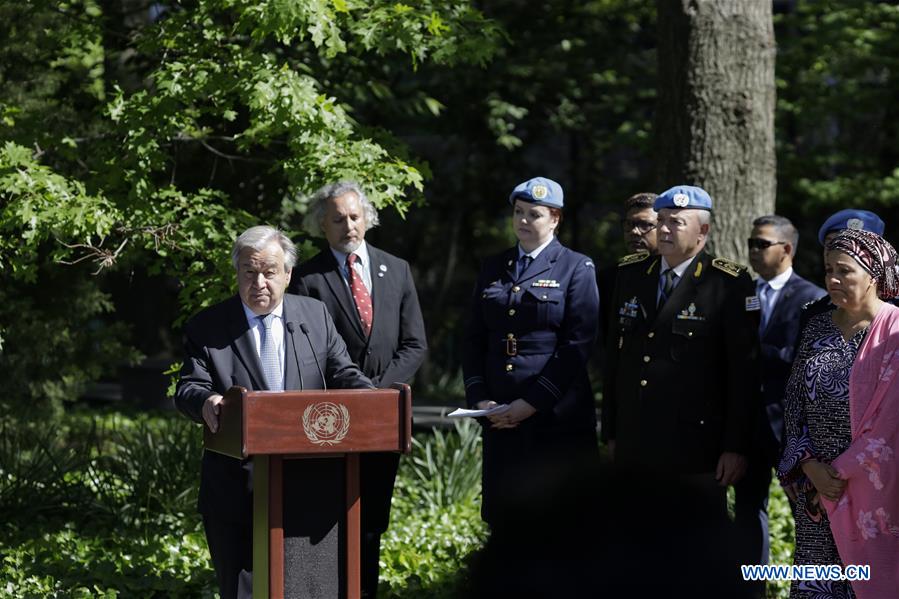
(682,375)
(639,231)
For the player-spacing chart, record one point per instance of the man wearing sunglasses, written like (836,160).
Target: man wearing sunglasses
(782,293)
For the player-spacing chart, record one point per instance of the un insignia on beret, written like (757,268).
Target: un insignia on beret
(539,192)
(680,200)
(855,224)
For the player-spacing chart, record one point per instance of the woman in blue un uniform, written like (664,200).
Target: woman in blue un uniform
(532,326)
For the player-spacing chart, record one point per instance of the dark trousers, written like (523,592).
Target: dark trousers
(751,511)
(751,517)
(370,551)
(377,477)
(231,548)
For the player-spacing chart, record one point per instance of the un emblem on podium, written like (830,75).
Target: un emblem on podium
(326,423)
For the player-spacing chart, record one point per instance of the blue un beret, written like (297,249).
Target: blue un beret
(851,219)
(684,196)
(540,191)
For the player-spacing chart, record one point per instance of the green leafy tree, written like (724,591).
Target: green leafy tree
(569,95)
(838,96)
(147,136)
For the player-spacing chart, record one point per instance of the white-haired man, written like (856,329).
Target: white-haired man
(247,340)
(372,299)
(681,386)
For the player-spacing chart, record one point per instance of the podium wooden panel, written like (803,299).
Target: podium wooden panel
(273,426)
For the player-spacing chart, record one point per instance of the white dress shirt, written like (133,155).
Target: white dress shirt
(362,266)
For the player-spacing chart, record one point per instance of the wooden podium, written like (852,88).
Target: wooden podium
(273,426)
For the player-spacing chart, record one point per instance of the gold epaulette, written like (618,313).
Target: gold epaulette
(633,258)
(731,268)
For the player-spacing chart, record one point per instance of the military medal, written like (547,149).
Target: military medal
(689,313)
(630,308)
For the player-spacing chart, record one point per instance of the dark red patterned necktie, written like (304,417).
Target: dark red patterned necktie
(360,295)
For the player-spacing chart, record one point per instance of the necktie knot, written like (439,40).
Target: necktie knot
(351,259)
(668,279)
(522,265)
(266,320)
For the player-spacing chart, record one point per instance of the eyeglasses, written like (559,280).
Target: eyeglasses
(757,243)
(643,226)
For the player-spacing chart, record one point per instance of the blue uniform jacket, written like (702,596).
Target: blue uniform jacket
(531,337)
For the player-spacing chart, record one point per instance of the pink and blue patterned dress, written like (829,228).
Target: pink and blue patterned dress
(817,426)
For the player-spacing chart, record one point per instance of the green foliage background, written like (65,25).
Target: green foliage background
(105,506)
(136,140)
(135,143)
(142,139)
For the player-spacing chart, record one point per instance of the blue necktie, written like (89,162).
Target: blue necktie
(522,265)
(667,286)
(765,292)
(268,354)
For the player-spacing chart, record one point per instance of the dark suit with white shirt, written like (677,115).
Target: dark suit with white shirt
(391,354)
(221,352)
(778,341)
(778,337)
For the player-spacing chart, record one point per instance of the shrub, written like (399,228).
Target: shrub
(101,506)
(782,532)
(446,466)
(435,520)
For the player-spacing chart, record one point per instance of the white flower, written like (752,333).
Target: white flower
(866,524)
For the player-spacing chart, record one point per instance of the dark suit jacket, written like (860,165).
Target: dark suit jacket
(391,354)
(779,340)
(220,353)
(605,283)
(682,383)
(396,347)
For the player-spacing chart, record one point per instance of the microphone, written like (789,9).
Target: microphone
(305,330)
(296,357)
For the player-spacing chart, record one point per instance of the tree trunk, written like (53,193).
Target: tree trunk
(715,118)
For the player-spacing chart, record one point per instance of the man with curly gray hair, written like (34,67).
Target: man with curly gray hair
(372,299)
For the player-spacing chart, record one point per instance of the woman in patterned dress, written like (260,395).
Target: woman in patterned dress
(860,272)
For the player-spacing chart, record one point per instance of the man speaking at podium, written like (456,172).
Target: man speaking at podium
(260,339)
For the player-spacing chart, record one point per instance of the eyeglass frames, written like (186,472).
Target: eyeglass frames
(643,226)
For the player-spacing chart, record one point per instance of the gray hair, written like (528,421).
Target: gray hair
(785,229)
(258,238)
(318,205)
(704,216)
